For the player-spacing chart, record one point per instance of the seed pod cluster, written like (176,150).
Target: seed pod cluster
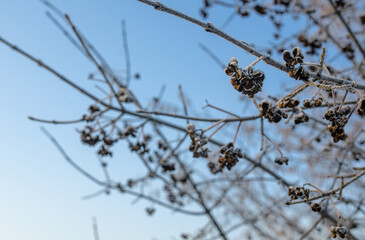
(312,103)
(293,59)
(282,160)
(272,113)
(316,207)
(341,231)
(361,107)
(298,192)
(91,136)
(141,146)
(197,142)
(229,156)
(301,117)
(104,151)
(87,137)
(289,103)
(247,81)
(214,168)
(93,109)
(338,121)
(128,131)
(166,166)
(124,95)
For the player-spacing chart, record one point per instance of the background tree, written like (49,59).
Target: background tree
(302,145)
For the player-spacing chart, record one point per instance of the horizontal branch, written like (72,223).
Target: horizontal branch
(241,119)
(55,121)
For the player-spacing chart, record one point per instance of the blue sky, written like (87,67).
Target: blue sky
(41,194)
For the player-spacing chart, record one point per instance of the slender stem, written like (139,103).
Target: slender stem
(236,134)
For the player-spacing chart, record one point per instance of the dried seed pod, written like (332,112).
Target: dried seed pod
(338,121)
(298,192)
(104,151)
(214,168)
(231,67)
(316,207)
(167,166)
(124,95)
(291,190)
(130,131)
(318,102)
(287,57)
(281,160)
(190,128)
(298,56)
(272,113)
(333,231)
(301,118)
(306,103)
(361,107)
(197,142)
(93,109)
(229,156)
(342,231)
(289,103)
(87,137)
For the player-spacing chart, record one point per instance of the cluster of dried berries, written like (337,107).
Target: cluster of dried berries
(166,166)
(272,113)
(229,156)
(124,95)
(361,107)
(313,44)
(162,145)
(141,147)
(293,59)
(297,192)
(338,121)
(316,207)
(301,117)
(176,179)
(312,103)
(289,103)
(260,9)
(92,109)
(214,168)
(341,231)
(281,160)
(104,151)
(107,142)
(197,142)
(87,137)
(128,131)
(247,81)
(172,197)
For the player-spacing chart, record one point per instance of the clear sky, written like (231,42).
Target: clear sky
(40,193)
